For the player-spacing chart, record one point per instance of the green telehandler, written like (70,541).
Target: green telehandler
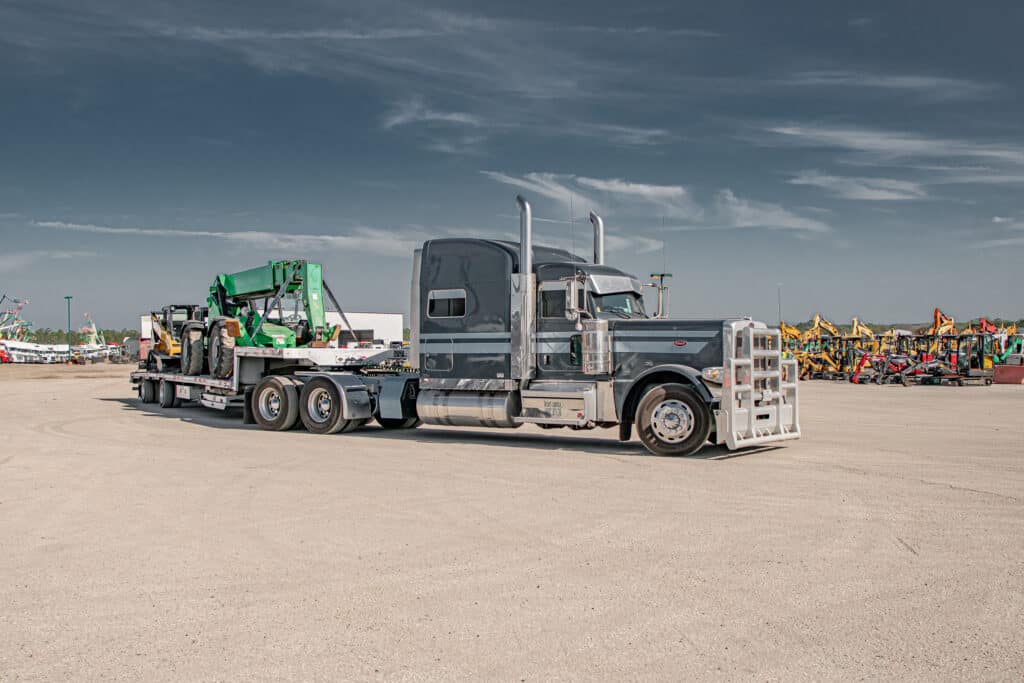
(279,305)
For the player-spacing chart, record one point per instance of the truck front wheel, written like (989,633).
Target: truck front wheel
(673,420)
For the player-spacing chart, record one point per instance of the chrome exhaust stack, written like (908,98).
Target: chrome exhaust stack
(598,238)
(525,235)
(524,304)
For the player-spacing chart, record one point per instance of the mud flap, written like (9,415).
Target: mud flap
(247,416)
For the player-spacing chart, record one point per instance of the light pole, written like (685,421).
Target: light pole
(68,299)
(780,302)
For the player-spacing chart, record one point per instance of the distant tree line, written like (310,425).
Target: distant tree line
(45,335)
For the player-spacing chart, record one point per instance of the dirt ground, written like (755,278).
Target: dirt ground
(157,545)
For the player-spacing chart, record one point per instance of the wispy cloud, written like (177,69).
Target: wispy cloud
(1001,219)
(890,145)
(746,213)
(17,260)
(621,134)
(671,201)
(370,240)
(414,110)
(929,87)
(214,35)
(551,185)
(864,189)
(646,201)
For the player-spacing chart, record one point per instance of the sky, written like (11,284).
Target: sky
(863,158)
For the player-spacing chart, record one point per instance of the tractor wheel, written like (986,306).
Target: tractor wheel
(147,391)
(192,351)
(166,395)
(404,422)
(673,420)
(275,404)
(222,351)
(320,407)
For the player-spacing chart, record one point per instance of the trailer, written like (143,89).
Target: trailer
(506,334)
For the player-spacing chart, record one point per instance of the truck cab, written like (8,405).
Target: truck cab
(505,334)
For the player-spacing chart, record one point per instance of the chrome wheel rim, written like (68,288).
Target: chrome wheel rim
(672,421)
(270,404)
(319,405)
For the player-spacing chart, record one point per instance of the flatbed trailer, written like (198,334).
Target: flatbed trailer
(266,385)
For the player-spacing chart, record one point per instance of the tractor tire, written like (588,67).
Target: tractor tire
(275,404)
(673,420)
(320,407)
(147,391)
(166,395)
(404,422)
(222,351)
(192,351)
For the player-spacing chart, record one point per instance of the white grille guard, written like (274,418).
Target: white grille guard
(759,388)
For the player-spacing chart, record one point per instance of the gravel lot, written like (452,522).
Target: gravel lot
(155,545)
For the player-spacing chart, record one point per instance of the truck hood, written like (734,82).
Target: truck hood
(641,344)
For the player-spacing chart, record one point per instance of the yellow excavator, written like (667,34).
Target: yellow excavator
(859,329)
(819,328)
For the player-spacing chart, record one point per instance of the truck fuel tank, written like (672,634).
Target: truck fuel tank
(468,408)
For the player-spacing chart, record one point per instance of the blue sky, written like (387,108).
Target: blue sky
(868,156)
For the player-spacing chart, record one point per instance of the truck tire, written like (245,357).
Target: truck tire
(166,395)
(275,404)
(147,391)
(320,407)
(673,420)
(402,422)
(222,351)
(353,425)
(192,351)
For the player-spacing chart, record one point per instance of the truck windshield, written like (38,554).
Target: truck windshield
(619,305)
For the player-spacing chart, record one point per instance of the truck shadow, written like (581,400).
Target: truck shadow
(193,414)
(551,440)
(509,438)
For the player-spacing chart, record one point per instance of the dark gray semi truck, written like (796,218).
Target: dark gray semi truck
(505,334)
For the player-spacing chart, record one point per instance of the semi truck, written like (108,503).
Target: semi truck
(505,334)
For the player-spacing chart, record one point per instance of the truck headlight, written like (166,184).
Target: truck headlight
(713,374)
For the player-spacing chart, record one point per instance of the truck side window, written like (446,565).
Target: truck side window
(446,303)
(552,303)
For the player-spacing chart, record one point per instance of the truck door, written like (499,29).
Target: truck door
(559,345)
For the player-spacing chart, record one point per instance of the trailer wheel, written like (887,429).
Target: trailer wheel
(166,395)
(222,351)
(673,420)
(404,422)
(320,407)
(192,351)
(147,391)
(275,404)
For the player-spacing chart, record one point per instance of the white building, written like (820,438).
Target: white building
(384,327)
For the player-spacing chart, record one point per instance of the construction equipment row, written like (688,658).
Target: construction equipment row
(938,354)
